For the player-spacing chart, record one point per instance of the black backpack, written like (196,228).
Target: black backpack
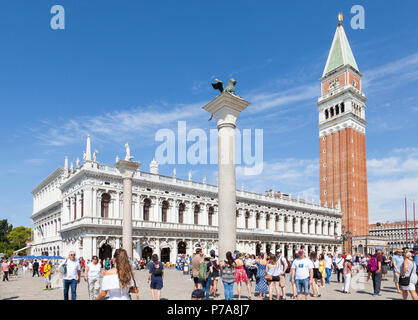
(157,271)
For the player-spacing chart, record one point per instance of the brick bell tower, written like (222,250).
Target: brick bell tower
(342,137)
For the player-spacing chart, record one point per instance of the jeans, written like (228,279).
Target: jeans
(302,285)
(377,280)
(339,273)
(206,286)
(35,271)
(229,290)
(67,285)
(328,271)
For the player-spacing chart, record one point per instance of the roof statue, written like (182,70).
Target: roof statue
(77,163)
(174,172)
(230,87)
(95,154)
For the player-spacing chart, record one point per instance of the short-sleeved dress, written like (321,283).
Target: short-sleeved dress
(240,274)
(156,280)
(261,283)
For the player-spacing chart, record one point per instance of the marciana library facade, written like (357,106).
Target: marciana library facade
(80,208)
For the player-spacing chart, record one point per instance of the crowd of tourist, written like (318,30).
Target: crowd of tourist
(308,274)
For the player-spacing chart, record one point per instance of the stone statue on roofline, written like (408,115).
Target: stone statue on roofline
(95,155)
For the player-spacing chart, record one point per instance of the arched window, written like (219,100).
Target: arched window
(268,221)
(147,206)
(342,107)
(105,205)
(210,216)
(181,212)
(196,214)
(332,111)
(82,204)
(337,109)
(326,114)
(257,221)
(247,218)
(164,210)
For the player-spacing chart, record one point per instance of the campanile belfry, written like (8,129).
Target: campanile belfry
(342,136)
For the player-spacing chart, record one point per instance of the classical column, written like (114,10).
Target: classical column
(289,226)
(297,225)
(95,213)
(116,213)
(241,219)
(263,221)
(251,220)
(312,226)
(87,202)
(305,226)
(127,170)
(319,227)
(226,109)
(325,228)
(281,223)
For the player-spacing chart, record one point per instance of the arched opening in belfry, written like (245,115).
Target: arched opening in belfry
(247,218)
(342,107)
(332,111)
(326,114)
(337,110)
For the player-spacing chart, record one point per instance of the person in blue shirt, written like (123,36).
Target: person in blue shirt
(397,261)
(416,254)
(155,276)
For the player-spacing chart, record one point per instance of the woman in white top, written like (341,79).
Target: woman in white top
(273,276)
(119,281)
(93,275)
(316,274)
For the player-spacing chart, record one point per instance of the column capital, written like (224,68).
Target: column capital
(127,168)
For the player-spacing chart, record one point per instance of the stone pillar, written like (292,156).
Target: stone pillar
(87,202)
(94,246)
(331,229)
(127,170)
(281,223)
(263,221)
(241,219)
(251,220)
(226,109)
(87,248)
(116,213)
(289,225)
(297,225)
(325,228)
(312,226)
(94,204)
(305,226)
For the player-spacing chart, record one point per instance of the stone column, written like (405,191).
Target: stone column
(116,213)
(95,213)
(325,228)
(226,109)
(127,170)
(87,202)
(312,226)
(281,223)
(305,226)
(297,225)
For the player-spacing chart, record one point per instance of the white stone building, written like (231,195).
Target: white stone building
(80,209)
(395,233)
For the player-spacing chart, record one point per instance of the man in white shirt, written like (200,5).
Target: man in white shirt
(339,261)
(302,272)
(72,275)
(283,267)
(328,266)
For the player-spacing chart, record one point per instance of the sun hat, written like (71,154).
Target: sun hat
(399,250)
(348,257)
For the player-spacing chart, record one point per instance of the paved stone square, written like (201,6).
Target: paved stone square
(179,287)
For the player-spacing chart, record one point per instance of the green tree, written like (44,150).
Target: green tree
(5,229)
(18,237)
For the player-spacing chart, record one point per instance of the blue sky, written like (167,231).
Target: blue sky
(121,70)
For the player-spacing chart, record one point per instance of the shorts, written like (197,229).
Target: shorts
(302,285)
(157,285)
(274,279)
(282,282)
(48,279)
(196,280)
(215,278)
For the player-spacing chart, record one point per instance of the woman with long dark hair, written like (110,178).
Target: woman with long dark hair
(119,281)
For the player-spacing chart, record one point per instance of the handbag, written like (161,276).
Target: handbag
(405,280)
(63,268)
(136,290)
(268,277)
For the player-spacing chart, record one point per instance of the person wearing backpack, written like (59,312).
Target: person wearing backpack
(215,273)
(205,275)
(228,275)
(155,276)
(374,269)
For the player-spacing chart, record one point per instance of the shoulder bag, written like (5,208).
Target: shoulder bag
(404,281)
